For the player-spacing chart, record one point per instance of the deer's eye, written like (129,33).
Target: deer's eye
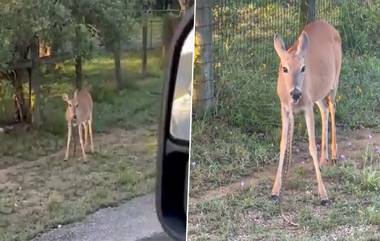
(303,68)
(76,106)
(70,105)
(285,70)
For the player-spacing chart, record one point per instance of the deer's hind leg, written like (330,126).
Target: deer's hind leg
(86,127)
(334,147)
(90,132)
(324,110)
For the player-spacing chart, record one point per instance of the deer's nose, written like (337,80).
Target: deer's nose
(295,94)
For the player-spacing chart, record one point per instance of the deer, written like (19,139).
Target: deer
(308,74)
(79,113)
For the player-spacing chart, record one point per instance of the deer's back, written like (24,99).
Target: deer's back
(84,110)
(323,59)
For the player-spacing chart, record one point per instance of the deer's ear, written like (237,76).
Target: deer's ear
(65,97)
(279,45)
(303,43)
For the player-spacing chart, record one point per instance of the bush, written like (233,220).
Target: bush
(7,109)
(359,26)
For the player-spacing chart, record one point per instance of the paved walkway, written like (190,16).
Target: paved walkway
(135,220)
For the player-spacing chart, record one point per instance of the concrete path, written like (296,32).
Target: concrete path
(135,220)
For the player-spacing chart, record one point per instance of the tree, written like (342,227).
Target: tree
(116,22)
(85,34)
(307,13)
(58,22)
(36,20)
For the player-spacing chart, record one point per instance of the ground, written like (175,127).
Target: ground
(121,223)
(242,209)
(47,192)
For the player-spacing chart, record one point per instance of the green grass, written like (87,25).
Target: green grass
(46,193)
(222,154)
(249,214)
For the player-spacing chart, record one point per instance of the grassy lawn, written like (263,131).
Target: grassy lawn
(39,191)
(246,212)
(249,214)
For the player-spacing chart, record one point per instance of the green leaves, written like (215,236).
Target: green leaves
(75,26)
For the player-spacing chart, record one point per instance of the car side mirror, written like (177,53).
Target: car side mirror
(174,132)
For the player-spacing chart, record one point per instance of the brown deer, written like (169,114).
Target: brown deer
(79,113)
(308,73)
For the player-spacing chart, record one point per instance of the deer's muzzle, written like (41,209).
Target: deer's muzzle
(296,95)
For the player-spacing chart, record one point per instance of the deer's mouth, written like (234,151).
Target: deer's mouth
(295,102)
(74,121)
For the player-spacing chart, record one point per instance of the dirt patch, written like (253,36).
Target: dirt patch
(351,146)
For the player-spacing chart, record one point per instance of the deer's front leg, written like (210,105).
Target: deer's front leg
(333,130)
(85,135)
(90,132)
(309,117)
(69,129)
(286,139)
(80,131)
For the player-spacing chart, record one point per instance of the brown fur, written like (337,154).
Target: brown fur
(318,50)
(79,113)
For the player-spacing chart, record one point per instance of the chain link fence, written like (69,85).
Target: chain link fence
(243,30)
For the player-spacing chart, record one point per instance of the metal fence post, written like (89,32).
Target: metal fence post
(144,45)
(204,86)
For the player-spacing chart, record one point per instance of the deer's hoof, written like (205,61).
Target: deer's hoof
(334,161)
(325,202)
(275,198)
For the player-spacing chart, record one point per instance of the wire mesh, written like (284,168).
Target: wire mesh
(249,26)
(243,30)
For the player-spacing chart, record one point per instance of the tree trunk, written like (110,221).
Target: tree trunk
(204,86)
(307,13)
(144,46)
(78,72)
(78,59)
(22,110)
(35,77)
(118,73)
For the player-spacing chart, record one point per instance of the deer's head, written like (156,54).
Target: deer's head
(72,106)
(292,65)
